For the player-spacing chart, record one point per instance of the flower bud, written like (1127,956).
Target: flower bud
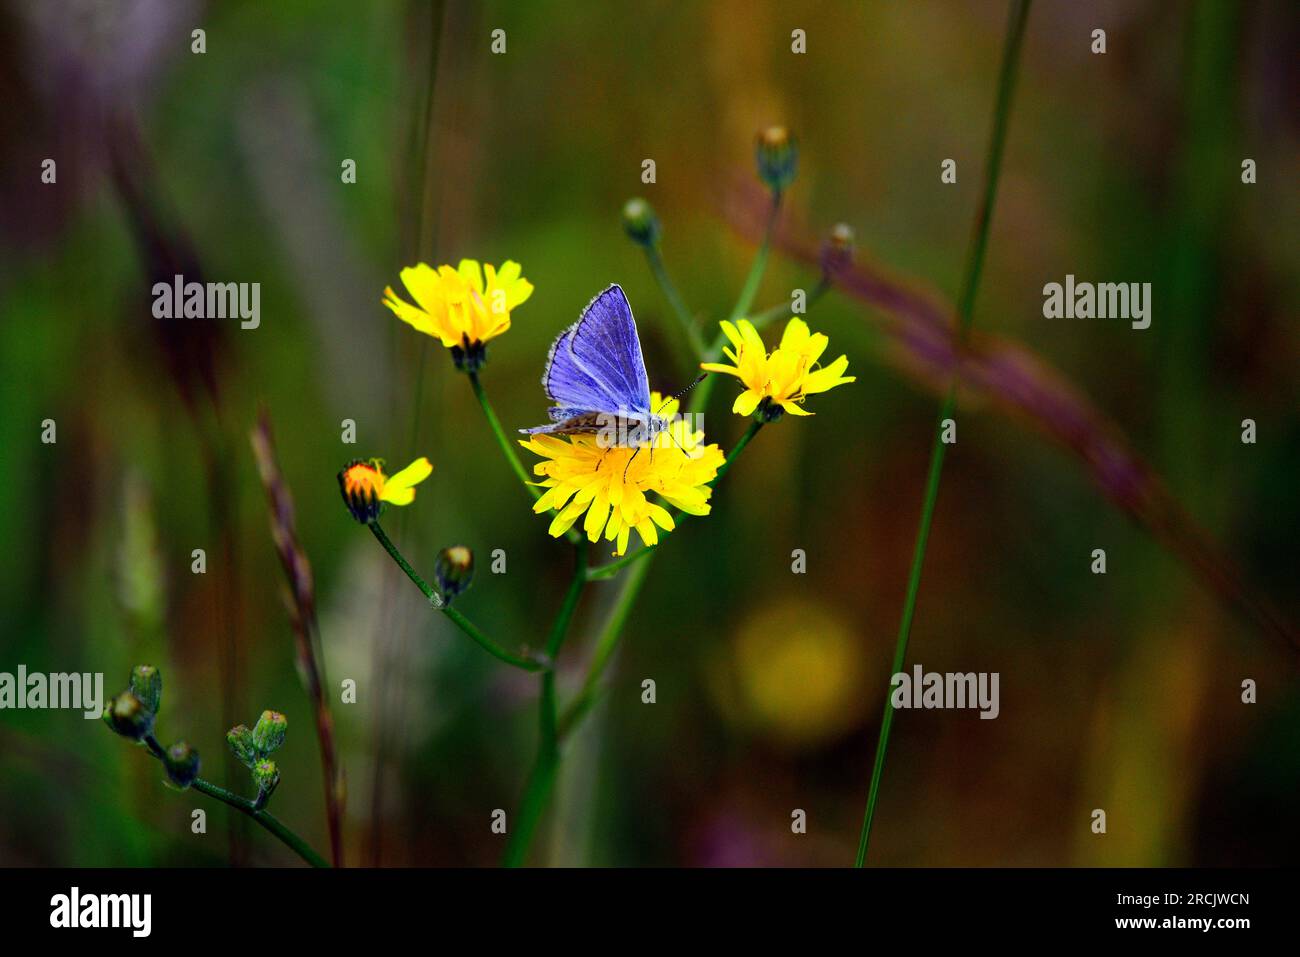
(777,154)
(129,717)
(240,740)
(640,222)
(268,733)
(267,778)
(146,684)
(182,764)
(837,250)
(360,484)
(454,569)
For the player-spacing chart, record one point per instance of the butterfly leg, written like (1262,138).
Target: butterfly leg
(631,459)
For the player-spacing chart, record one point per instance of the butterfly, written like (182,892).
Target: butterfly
(596,377)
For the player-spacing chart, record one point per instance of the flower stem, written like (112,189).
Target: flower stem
(527,663)
(503,440)
(1019,13)
(511,454)
(773,313)
(554,729)
(605,644)
(700,401)
(656,263)
(542,777)
(755,277)
(613,629)
(610,569)
(245,806)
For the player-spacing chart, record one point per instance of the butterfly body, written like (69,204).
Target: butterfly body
(596,377)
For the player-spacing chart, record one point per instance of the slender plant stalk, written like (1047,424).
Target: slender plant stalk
(780,311)
(388,657)
(689,328)
(303,620)
(542,777)
(700,400)
(610,634)
(507,447)
(529,663)
(605,645)
(1019,13)
(250,808)
(755,277)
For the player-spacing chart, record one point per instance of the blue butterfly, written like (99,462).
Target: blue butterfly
(596,377)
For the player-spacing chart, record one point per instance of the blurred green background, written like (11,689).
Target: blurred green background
(1119,692)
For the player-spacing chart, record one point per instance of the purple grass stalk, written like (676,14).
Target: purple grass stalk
(300,602)
(922,342)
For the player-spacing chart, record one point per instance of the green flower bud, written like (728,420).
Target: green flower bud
(267,778)
(454,569)
(182,764)
(240,740)
(128,717)
(640,222)
(777,155)
(268,733)
(146,684)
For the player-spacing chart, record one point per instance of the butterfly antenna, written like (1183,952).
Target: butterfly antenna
(698,379)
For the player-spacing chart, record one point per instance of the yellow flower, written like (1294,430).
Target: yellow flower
(366,489)
(610,483)
(778,383)
(463,307)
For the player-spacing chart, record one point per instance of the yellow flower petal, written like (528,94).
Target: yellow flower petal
(746,402)
(399,489)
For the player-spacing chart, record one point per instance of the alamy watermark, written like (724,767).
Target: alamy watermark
(1103,300)
(59,690)
(213,300)
(74,909)
(933,689)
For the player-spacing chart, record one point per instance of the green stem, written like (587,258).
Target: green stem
(700,400)
(770,315)
(542,777)
(1019,13)
(605,645)
(528,663)
(755,277)
(511,454)
(245,806)
(552,729)
(612,568)
(691,330)
(508,448)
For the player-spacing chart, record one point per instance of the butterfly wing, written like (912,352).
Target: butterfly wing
(564,420)
(596,363)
